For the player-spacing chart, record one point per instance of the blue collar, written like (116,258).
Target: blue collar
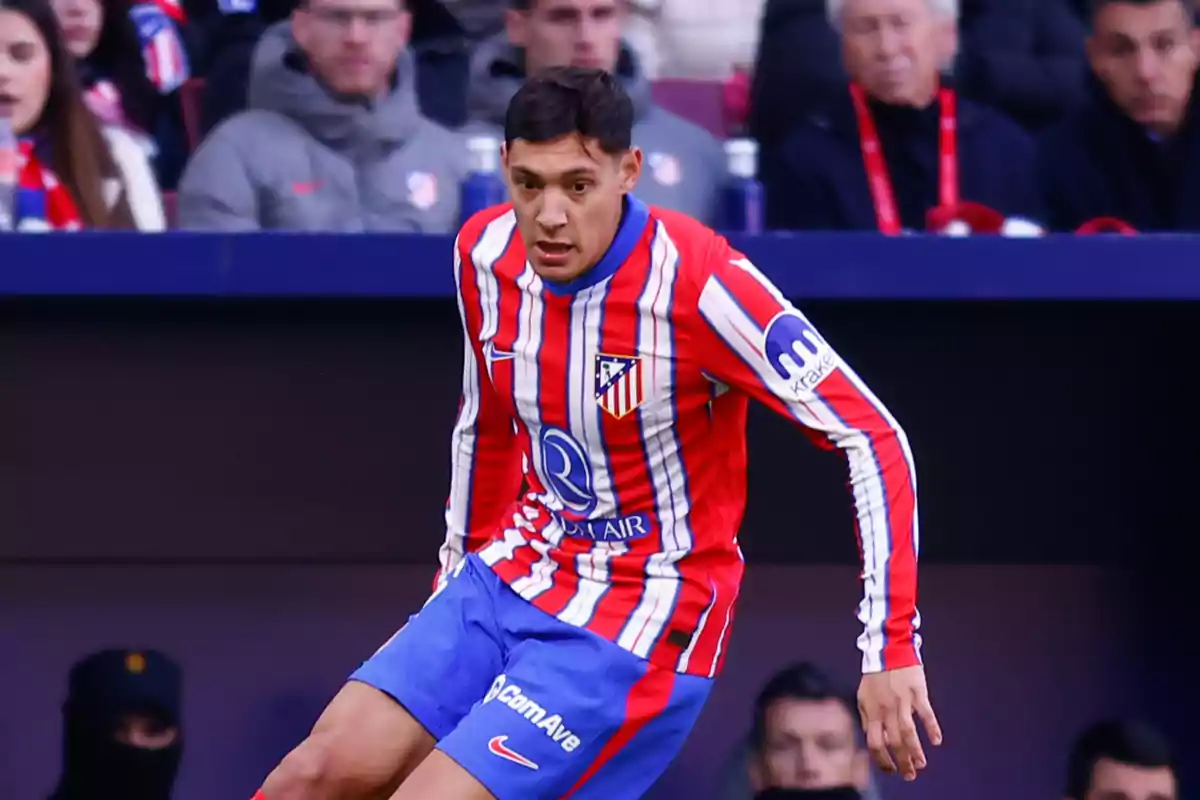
(633,222)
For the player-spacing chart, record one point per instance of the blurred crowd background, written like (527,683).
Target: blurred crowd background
(123,740)
(357,116)
(340,115)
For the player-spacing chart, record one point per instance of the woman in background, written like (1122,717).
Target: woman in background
(101,36)
(75,172)
(131,62)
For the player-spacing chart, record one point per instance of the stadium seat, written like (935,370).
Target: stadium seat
(190,95)
(170,207)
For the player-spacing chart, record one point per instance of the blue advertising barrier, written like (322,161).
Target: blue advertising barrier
(819,266)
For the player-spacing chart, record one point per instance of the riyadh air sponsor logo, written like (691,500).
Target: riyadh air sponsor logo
(615,529)
(552,725)
(568,470)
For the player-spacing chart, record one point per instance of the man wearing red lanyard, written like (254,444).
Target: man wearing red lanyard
(904,149)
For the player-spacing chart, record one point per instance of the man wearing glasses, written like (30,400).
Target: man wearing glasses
(333,139)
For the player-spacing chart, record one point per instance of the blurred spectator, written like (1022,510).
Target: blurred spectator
(105,44)
(1133,152)
(443,36)
(333,140)
(125,83)
(1122,760)
(901,143)
(798,70)
(121,727)
(1022,57)
(805,735)
(74,173)
(685,165)
(693,39)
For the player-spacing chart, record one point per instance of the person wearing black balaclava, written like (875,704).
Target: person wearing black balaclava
(837,793)
(121,727)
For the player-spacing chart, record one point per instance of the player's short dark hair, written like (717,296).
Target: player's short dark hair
(803,681)
(571,100)
(1129,742)
(1096,6)
(520,5)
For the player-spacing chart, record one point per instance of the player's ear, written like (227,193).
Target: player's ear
(754,769)
(514,27)
(301,25)
(504,156)
(630,168)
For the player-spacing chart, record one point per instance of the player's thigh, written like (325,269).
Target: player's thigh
(637,756)
(440,776)
(564,713)
(362,746)
(439,664)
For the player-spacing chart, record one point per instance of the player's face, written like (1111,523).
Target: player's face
(568,33)
(810,745)
(568,195)
(1113,781)
(1145,55)
(896,48)
(352,44)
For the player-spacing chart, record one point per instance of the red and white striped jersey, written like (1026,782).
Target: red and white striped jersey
(620,401)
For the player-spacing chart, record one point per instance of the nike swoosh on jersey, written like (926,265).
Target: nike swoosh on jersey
(493,355)
(497,747)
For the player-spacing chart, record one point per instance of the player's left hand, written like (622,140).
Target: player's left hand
(887,701)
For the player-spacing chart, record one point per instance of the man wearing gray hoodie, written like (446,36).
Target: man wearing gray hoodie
(685,165)
(332,139)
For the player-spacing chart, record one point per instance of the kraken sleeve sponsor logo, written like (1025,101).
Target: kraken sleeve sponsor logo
(797,353)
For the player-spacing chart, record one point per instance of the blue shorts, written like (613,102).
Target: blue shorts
(530,706)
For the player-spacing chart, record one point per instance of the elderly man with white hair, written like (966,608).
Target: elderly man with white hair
(902,152)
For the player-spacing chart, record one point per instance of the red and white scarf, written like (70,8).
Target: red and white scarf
(42,202)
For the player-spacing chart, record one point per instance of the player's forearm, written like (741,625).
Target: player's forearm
(883,481)
(890,637)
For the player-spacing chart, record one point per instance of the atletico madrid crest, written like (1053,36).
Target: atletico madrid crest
(619,388)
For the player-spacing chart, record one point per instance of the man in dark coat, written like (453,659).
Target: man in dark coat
(1133,152)
(901,142)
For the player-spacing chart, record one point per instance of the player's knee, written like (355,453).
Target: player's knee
(310,772)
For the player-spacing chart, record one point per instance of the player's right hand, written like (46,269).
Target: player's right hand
(887,701)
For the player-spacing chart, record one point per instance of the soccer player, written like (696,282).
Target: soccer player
(574,634)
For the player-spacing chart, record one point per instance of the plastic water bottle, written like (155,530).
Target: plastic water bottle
(742,195)
(483,187)
(9,175)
